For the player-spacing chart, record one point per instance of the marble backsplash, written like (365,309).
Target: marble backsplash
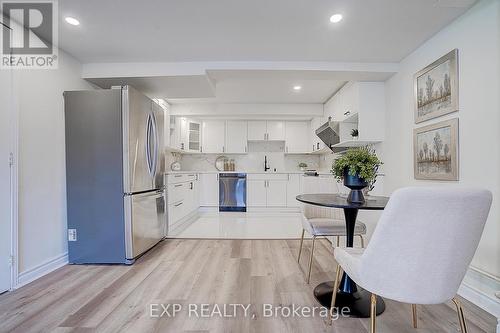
(252,161)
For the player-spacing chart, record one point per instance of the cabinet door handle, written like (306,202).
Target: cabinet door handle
(178,185)
(201,149)
(223,149)
(177,205)
(177,176)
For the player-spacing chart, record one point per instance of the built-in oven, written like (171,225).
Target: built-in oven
(233,192)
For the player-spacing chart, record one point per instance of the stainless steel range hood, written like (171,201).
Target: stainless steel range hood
(329,133)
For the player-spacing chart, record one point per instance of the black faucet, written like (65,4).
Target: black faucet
(265,164)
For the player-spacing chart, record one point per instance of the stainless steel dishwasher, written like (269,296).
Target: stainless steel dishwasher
(232,192)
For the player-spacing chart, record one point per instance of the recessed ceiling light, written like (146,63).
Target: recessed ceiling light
(336,18)
(297,88)
(72,20)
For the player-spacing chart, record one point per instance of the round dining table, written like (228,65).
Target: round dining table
(349,295)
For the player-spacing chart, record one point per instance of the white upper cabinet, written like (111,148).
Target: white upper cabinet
(266,130)
(257,130)
(316,144)
(213,134)
(185,134)
(236,137)
(359,105)
(194,136)
(297,137)
(179,134)
(275,130)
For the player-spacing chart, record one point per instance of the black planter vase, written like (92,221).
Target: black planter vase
(356,184)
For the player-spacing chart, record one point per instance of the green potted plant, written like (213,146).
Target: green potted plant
(302,166)
(357,167)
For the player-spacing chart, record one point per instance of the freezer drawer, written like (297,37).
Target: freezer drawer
(145,219)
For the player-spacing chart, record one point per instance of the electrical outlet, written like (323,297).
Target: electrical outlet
(72,235)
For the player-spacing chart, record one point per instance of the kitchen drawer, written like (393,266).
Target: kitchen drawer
(176,211)
(191,176)
(177,192)
(177,178)
(267,176)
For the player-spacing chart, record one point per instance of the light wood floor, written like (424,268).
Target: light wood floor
(112,298)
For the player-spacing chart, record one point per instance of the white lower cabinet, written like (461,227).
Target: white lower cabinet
(276,193)
(182,198)
(267,190)
(293,189)
(256,193)
(209,189)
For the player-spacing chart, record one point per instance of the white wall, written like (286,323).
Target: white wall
(476,35)
(42,187)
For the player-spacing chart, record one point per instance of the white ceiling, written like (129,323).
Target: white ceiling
(184,87)
(241,51)
(256,30)
(244,86)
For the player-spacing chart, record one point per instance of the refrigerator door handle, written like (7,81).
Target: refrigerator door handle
(148,145)
(155,145)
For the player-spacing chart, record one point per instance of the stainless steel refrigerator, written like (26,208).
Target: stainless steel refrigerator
(114,175)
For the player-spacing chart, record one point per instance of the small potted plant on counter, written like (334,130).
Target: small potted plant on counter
(355,133)
(357,167)
(302,166)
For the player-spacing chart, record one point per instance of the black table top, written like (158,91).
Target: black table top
(337,201)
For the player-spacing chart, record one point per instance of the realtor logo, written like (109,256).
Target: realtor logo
(29,38)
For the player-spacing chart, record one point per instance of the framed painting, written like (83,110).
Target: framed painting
(435,150)
(436,88)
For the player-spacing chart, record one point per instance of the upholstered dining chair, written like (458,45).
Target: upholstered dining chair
(325,222)
(445,225)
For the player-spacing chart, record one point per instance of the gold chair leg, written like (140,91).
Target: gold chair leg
(414,314)
(335,289)
(338,241)
(361,238)
(460,313)
(311,260)
(373,313)
(300,248)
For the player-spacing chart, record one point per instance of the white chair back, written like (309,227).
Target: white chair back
(321,184)
(424,243)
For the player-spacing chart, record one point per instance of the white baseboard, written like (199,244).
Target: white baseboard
(38,271)
(480,289)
